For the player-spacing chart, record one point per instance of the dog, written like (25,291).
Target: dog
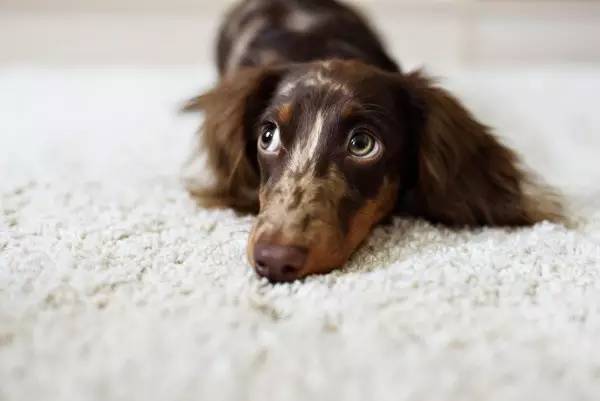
(318,131)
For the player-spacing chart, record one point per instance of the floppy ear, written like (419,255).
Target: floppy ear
(465,176)
(226,138)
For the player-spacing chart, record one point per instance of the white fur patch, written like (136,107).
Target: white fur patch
(287,88)
(319,80)
(301,21)
(304,150)
(315,134)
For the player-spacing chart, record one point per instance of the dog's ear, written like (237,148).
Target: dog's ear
(464,174)
(227,139)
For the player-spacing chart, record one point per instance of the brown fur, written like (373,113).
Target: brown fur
(285,113)
(466,176)
(227,122)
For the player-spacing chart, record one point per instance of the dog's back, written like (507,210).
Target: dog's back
(262,32)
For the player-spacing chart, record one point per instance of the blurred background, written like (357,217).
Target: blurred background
(443,35)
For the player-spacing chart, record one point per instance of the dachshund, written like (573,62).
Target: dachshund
(314,128)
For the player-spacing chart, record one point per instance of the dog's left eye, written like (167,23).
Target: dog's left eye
(270,140)
(363,145)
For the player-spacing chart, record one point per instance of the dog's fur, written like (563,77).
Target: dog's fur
(316,70)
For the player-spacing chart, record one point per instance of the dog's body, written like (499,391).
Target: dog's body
(317,129)
(262,32)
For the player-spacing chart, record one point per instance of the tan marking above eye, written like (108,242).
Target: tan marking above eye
(284,114)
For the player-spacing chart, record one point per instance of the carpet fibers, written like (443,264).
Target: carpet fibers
(114,285)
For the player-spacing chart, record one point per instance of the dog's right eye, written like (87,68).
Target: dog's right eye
(270,140)
(362,145)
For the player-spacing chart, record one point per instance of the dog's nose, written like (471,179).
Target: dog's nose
(279,263)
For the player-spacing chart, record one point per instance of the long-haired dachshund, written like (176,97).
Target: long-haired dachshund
(315,128)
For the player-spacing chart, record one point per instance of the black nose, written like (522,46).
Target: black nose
(279,263)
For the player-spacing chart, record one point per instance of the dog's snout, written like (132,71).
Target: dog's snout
(279,263)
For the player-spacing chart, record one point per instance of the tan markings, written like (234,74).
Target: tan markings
(303,151)
(281,210)
(284,113)
(326,259)
(375,210)
(347,110)
(316,225)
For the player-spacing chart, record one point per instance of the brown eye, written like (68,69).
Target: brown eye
(270,140)
(363,145)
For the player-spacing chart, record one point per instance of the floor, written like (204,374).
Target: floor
(114,285)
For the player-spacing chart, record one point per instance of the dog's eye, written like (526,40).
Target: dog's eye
(363,145)
(269,140)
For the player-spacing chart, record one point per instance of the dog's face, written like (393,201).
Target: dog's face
(330,143)
(323,152)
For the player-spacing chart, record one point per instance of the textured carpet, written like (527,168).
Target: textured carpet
(115,286)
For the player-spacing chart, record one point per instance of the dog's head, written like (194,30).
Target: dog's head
(324,151)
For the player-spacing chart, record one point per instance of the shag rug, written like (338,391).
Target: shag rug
(114,285)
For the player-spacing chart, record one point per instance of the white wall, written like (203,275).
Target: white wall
(439,34)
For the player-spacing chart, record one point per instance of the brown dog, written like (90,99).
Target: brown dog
(317,130)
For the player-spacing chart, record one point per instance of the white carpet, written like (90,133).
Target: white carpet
(114,286)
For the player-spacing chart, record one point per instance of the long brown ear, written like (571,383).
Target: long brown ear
(226,138)
(465,175)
